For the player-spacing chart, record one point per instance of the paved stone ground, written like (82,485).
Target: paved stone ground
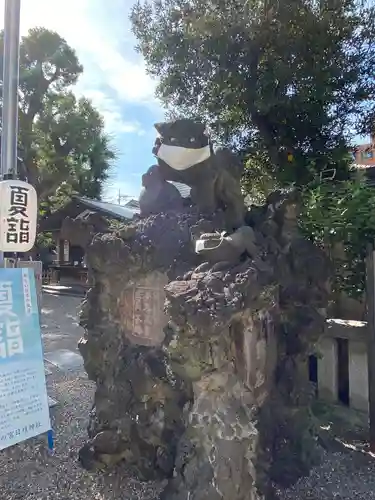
(29,472)
(341,476)
(59,322)
(347,469)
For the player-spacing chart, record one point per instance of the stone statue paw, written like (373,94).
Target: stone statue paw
(216,247)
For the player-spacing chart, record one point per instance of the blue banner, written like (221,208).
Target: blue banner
(24,411)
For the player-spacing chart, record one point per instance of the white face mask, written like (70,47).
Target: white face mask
(180,158)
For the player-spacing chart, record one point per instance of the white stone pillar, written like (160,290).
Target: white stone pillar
(58,250)
(358,375)
(328,370)
(66,251)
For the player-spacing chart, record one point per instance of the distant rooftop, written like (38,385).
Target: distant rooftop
(183,188)
(78,205)
(118,211)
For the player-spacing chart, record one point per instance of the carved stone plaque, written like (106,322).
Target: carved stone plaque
(260,353)
(143,310)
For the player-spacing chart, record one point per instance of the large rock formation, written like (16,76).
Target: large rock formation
(208,392)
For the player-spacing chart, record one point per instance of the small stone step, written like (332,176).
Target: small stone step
(64,359)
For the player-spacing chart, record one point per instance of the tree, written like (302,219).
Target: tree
(341,218)
(62,144)
(286,82)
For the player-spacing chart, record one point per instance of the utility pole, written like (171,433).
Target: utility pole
(11,57)
(370,312)
(121,197)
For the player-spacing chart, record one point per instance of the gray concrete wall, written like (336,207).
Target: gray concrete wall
(358,375)
(327,369)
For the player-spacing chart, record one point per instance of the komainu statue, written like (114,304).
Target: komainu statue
(185,155)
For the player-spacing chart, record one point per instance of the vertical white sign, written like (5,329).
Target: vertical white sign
(38,272)
(24,411)
(18,216)
(58,251)
(66,251)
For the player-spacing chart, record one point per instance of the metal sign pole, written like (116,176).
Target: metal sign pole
(10,87)
(370,310)
(9,132)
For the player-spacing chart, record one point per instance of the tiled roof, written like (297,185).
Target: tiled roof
(132,204)
(183,188)
(128,210)
(117,211)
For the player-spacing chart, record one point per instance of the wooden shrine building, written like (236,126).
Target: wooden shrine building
(68,261)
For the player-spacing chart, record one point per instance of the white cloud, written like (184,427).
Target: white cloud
(75,21)
(115,123)
(132,128)
(112,77)
(104,65)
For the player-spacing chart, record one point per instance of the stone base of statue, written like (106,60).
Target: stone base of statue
(207,392)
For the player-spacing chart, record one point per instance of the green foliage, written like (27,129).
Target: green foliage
(287,83)
(341,218)
(44,240)
(62,144)
(271,77)
(257,183)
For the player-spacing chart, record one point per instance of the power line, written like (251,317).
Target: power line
(121,197)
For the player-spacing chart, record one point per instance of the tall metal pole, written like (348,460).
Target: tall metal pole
(10,87)
(370,310)
(9,124)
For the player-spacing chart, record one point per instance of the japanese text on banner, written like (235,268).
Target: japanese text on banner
(11,342)
(18,219)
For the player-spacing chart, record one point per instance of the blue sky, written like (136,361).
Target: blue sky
(114,77)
